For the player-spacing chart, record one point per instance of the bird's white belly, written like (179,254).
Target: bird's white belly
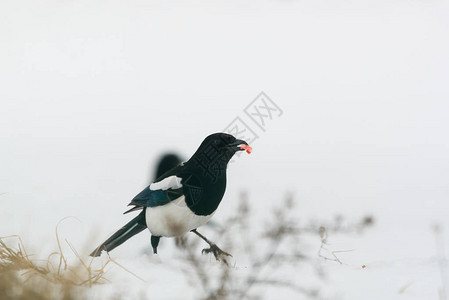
(173,219)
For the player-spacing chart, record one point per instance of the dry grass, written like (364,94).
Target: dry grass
(25,277)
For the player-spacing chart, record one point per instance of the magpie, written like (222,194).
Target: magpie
(183,198)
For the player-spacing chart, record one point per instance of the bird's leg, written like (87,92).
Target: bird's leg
(214,249)
(155,242)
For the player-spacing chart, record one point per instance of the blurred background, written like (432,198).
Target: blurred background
(93,92)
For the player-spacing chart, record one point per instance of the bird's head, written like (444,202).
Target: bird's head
(218,148)
(224,143)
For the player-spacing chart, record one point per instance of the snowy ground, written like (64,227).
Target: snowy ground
(93,91)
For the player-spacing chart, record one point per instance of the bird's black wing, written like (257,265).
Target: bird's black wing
(157,197)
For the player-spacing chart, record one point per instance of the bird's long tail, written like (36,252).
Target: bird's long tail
(132,228)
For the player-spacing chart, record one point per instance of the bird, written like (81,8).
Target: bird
(165,163)
(183,198)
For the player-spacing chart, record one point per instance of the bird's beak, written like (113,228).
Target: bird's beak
(239,145)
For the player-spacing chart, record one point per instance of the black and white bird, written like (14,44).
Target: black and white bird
(183,198)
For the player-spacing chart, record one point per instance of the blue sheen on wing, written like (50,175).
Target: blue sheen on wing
(149,198)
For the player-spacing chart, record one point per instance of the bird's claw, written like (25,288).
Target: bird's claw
(217,252)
